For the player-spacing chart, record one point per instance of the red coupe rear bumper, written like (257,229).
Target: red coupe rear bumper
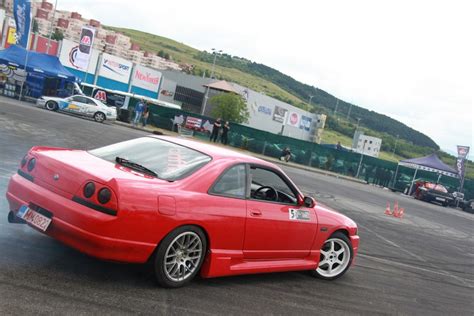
(76,225)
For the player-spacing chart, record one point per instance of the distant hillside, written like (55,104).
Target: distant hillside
(283,87)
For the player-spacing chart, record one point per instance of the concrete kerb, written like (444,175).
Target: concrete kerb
(266,158)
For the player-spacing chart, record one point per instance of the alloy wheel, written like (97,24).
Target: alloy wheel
(335,257)
(182,257)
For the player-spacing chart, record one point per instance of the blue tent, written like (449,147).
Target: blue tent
(45,64)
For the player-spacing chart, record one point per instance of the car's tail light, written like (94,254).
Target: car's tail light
(31,164)
(104,195)
(89,189)
(24,161)
(97,196)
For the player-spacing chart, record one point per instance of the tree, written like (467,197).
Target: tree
(35,26)
(230,107)
(57,35)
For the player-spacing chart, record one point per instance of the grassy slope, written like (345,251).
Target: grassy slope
(182,53)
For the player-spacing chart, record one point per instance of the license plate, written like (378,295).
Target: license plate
(439,199)
(34,218)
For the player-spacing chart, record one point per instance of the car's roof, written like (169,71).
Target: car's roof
(216,152)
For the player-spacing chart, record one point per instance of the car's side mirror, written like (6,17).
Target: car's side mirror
(309,202)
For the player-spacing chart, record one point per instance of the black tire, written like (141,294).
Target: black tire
(51,106)
(340,238)
(159,260)
(99,117)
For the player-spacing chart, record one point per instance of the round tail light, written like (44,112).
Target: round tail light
(31,164)
(104,195)
(89,189)
(24,161)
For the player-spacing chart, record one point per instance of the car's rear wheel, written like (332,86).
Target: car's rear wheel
(179,256)
(51,106)
(99,117)
(336,257)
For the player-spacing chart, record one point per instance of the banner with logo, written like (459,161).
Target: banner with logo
(293,119)
(305,123)
(115,68)
(463,151)
(109,98)
(22,14)
(68,56)
(279,114)
(84,52)
(146,78)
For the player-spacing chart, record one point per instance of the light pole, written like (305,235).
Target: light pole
(51,28)
(395,146)
(206,96)
(310,97)
(357,127)
(361,158)
(349,112)
(335,109)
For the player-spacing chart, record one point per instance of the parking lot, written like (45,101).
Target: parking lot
(421,264)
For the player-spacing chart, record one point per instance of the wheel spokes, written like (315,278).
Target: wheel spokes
(183,256)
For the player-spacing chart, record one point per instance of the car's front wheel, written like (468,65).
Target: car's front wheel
(179,256)
(51,106)
(336,257)
(99,117)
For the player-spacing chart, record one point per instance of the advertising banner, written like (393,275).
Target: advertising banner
(293,119)
(115,68)
(146,78)
(68,56)
(463,151)
(279,114)
(84,52)
(22,14)
(305,123)
(109,98)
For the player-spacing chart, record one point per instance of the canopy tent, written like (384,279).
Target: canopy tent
(430,163)
(45,64)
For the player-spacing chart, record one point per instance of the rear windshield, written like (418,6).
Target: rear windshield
(168,160)
(436,187)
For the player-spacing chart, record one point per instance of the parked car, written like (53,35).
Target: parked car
(79,105)
(432,192)
(467,206)
(185,206)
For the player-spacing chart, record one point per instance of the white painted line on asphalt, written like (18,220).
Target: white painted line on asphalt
(441,271)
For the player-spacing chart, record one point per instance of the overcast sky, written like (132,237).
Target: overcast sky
(411,60)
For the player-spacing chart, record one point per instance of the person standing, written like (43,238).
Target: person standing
(285,154)
(139,108)
(215,130)
(225,131)
(145,116)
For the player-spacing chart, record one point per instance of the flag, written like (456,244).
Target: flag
(22,14)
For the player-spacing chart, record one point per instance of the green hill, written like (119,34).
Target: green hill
(410,143)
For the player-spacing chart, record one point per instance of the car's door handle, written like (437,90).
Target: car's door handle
(255,213)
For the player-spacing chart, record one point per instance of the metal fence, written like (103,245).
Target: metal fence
(367,168)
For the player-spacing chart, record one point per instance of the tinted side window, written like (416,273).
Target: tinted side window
(79,99)
(231,183)
(265,182)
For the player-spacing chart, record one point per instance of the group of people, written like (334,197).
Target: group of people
(220,130)
(142,112)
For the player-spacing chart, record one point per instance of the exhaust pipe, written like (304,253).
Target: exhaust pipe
(13,219)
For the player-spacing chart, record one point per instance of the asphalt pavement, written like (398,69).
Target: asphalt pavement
(422,264)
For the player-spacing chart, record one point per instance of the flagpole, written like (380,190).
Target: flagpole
(26,56)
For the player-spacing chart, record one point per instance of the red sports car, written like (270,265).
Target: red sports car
(188,207)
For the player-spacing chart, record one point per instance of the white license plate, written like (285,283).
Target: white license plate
(34,218)
(439,199)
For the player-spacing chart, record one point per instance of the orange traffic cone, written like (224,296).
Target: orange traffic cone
(387,209)
(395,209)
(401,212)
